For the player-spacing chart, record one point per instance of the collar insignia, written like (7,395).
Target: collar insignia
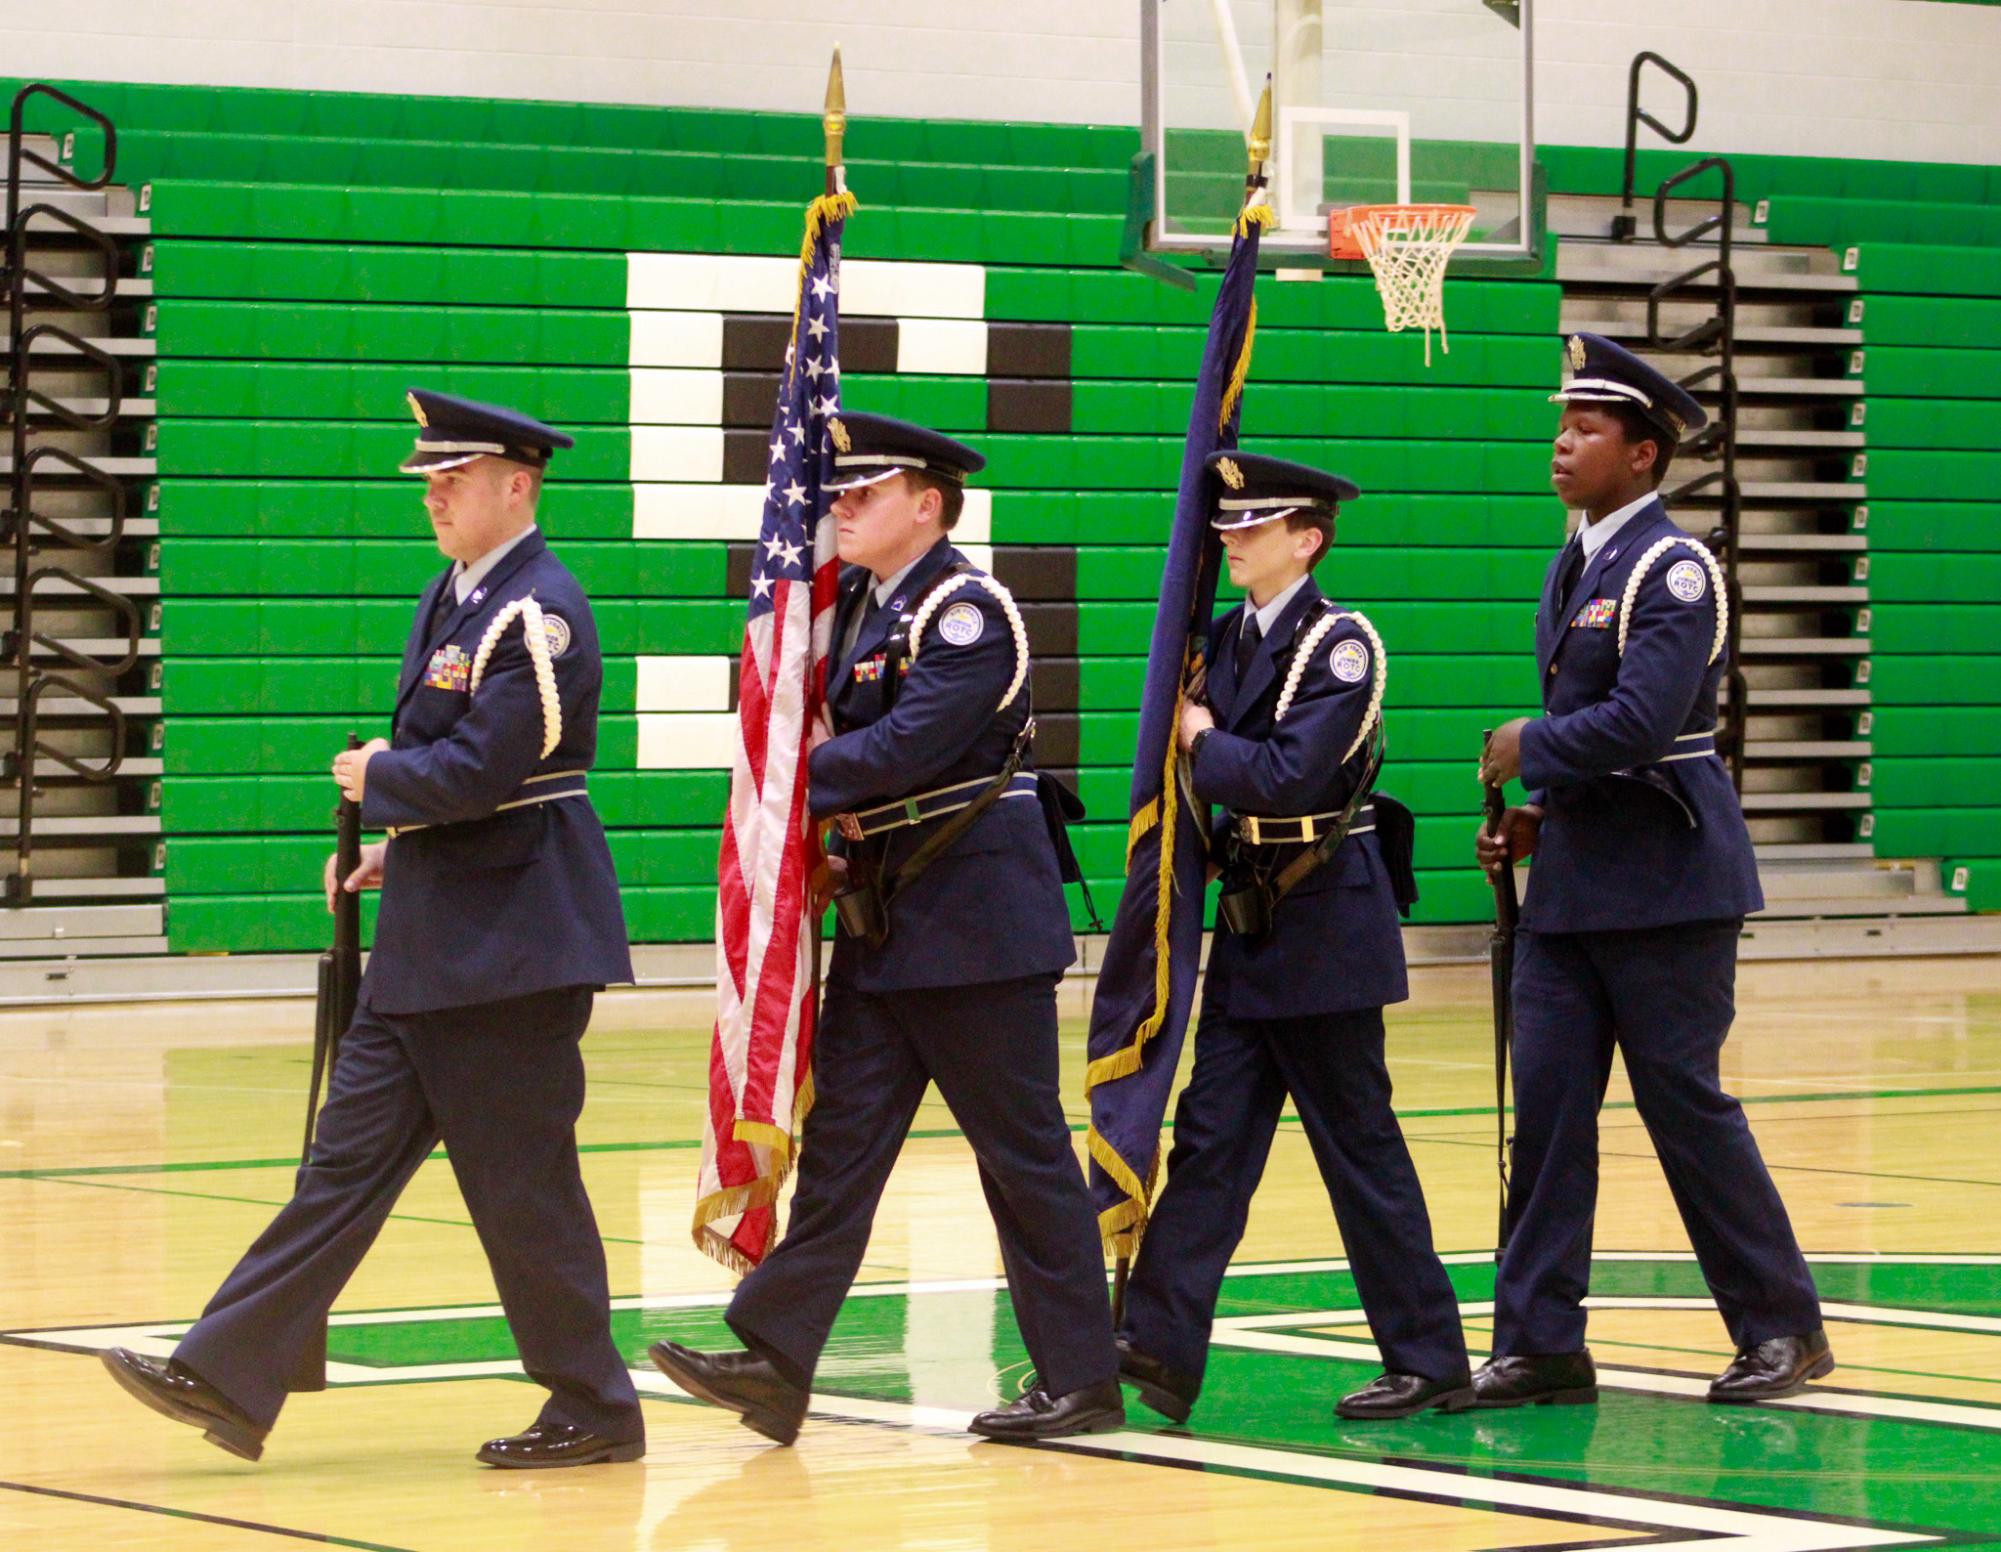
(1232,475)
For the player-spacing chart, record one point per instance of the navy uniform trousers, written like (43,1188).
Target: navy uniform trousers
(1665,997)
(991,1049)
(1332,1066)
(502,1084)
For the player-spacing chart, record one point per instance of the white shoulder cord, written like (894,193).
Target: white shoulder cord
(1006,600)
(1302,655)
(1639,575)
(536,635)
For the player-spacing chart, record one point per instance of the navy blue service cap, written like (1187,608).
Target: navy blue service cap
(869,448)
(1604,373)
(452,431)
(1256,489)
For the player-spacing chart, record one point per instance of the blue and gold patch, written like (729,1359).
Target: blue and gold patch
(450,668)
(1596,615)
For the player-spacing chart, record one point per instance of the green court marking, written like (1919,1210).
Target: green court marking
(943,1349)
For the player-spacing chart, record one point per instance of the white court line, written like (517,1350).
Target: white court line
(1259,1333)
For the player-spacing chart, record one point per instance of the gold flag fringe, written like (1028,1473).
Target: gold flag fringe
(1125,1061)
(1261,217)
(761,1192)
(828,207)
(1121,1225)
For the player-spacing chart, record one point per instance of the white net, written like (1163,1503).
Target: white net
(1408,247)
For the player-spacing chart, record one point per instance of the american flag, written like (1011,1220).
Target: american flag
(760,1061)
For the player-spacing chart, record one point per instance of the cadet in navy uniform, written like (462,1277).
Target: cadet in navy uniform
(1643,875)
(500,919)
(1307,951)
(953,934)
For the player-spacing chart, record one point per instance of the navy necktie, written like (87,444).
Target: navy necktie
(1573,568)
(1248,637)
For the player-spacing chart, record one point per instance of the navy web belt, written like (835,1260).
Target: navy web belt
(1692,746)
(934,804)
(545,788)
(1298,829)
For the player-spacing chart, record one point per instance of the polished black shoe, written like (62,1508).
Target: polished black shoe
(743,1383)
(1096,1408)
(1780,1367)
(1405,1395)
(178,1392)
(557,1444)
(1544,1379)
(1168,1391)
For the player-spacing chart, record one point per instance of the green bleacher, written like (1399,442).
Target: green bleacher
(307,268)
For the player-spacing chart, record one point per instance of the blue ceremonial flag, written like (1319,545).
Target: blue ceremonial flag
(1147,982)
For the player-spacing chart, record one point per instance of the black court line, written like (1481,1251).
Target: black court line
(324,1538)
(1791,1169)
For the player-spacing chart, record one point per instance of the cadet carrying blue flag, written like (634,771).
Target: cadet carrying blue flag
(1147,984)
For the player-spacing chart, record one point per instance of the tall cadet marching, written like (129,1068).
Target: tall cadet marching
(1643,875)
(500,920)
(1315,865)
(953,933)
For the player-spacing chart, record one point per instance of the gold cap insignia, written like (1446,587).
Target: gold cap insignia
(423,420)
(1232,475)
(1577,352)
(842,441)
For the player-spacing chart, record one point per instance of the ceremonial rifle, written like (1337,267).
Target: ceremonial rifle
(1501,968)
(340,966)
(333,1010)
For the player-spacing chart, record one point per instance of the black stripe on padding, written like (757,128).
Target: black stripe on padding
(1056,740)
(755,342)
(1027,349)
(1018,404)
(1037,573)
(1052,629)
(1055,683)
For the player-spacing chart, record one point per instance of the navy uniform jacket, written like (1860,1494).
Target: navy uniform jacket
(1641,828)
(1335,942)
(490,901)
(991,908)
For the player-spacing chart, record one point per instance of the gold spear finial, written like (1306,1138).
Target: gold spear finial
(1261,135)
(836,120)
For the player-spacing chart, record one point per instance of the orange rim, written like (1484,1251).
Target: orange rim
(1341,223)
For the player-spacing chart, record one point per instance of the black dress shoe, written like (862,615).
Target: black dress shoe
(1544,1379)
(743,1383)
(1403,1395)
(1168,1391)
(178,1392)
(557,1444)
(1780,1367)
(1096,1408)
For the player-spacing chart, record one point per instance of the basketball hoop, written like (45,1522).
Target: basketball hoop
(1407,246)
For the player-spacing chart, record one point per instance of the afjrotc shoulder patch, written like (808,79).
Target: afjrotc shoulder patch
(449,669)
(1596,615)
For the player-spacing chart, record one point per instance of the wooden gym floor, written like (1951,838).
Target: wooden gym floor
(142,1147)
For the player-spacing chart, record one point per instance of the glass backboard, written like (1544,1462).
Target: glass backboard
(1375,102)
